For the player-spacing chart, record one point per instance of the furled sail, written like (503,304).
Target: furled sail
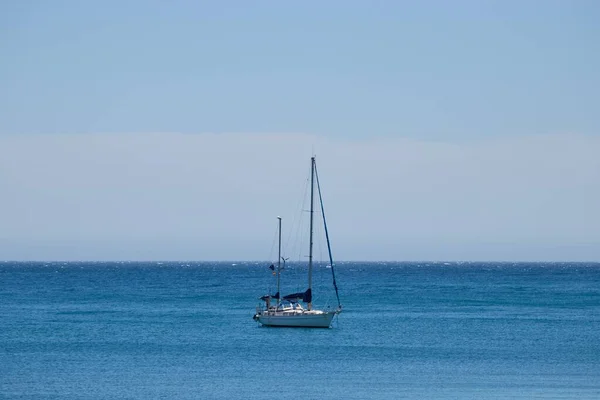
(270,296)
(300,296)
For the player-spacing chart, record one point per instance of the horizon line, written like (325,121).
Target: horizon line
(296,262)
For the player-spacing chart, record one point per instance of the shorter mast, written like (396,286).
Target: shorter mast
(279,263)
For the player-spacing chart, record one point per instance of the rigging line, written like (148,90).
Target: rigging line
(319,238)
(327,236)
(299,243)
(297,222)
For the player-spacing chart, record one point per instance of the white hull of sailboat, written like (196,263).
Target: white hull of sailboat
(304,320)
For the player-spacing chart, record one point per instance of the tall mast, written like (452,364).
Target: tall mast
(279,261)
(310,250)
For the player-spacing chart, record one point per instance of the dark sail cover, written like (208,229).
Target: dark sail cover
(270,296)
(304,296)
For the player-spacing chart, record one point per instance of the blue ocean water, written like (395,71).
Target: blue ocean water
(408,330)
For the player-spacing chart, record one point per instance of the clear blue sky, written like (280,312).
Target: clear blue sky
(359,68)
(478,119)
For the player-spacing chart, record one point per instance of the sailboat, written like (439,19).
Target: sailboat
(288,311)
